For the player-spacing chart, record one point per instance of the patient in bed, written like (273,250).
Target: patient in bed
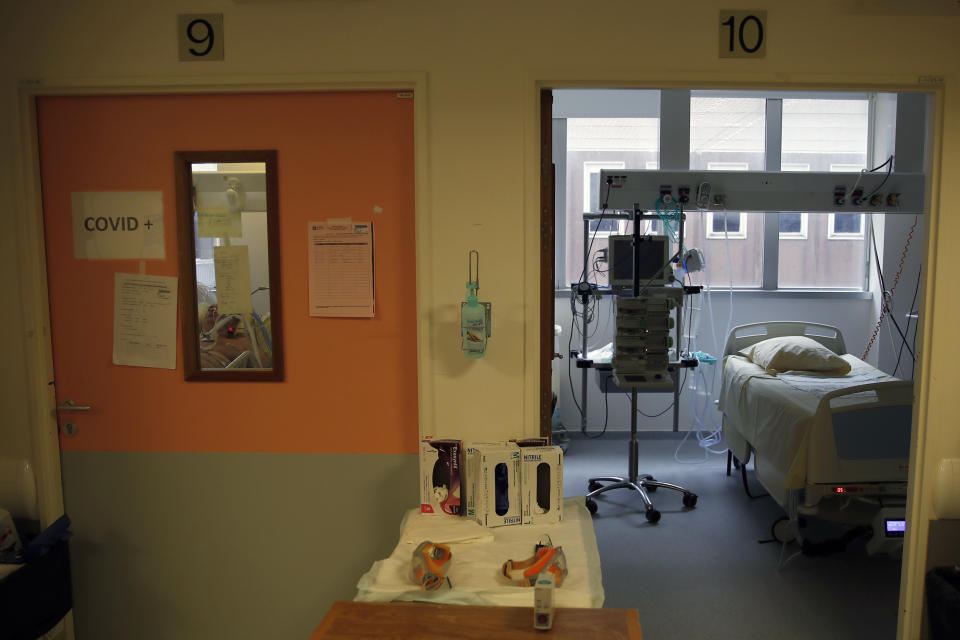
(232,340)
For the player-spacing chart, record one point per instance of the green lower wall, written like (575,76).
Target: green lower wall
(226,545)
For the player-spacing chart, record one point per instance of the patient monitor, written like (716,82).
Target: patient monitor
(653,255)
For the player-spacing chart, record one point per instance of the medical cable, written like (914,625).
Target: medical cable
(573,393)
(864,172)
(888,295)
(603,211)
(588,309)
(889,164)
(707,438)
(916,330)
(916,327)
(606,411)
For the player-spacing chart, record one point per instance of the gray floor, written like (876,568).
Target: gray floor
(701,573)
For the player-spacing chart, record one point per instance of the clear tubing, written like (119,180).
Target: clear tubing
(707,438)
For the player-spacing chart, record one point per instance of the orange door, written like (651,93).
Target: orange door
(351,384)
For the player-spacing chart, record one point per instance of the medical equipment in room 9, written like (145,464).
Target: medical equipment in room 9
(474,315)
(429,566)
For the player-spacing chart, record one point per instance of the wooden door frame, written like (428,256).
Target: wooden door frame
(547,260)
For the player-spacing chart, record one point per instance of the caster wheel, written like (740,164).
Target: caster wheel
(690,500)
(651,489)
(593,486)
(783,530)
(653,516)
(591,507)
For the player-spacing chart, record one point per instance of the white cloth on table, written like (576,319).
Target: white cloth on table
(478,554)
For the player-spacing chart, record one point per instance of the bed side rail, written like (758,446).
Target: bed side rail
(746,335)
(874,425)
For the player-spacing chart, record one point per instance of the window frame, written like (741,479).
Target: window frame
(833,234)
(671,120)
(794,235)
(741,234)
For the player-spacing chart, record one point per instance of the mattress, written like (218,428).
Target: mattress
(775,413)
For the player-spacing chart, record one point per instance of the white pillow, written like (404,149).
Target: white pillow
(795,353)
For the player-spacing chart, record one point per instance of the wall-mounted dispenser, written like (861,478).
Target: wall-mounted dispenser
(474,315)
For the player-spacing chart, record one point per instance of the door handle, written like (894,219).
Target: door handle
(70,405)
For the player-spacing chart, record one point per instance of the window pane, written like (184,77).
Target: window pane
(726,222)
(727,134)
(824,135)
(594,144)
(791,223)
(737,253)
(846,223)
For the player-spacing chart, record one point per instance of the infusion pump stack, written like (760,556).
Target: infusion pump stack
(644,307)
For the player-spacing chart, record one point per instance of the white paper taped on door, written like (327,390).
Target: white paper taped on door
(117,225)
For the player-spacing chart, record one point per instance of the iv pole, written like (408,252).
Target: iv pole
(633,481)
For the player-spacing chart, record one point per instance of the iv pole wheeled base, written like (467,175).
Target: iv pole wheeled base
(635,482)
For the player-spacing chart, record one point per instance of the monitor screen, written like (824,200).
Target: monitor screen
(654,254)
(895,528)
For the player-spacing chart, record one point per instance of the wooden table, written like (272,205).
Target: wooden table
(425,621)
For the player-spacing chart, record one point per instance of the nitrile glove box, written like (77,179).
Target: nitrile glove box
(497,470)
(440,466)
(541,482)
(470,475)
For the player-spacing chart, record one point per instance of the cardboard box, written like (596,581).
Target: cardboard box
(532,442)
(498,496)
(440,466)
(470,475)
(541,481)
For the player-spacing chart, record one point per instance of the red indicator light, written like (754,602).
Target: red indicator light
(839,490)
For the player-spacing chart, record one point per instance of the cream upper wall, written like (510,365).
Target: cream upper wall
(480,189)
(481,69)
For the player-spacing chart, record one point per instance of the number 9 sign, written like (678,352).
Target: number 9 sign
(200,36)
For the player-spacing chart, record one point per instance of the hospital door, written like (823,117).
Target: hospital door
(340,155)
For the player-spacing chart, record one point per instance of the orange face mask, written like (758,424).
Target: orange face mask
(546,558)
(429,566)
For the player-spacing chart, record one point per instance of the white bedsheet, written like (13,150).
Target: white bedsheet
(479,553)
(775,413)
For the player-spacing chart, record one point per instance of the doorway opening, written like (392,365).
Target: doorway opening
(835,268)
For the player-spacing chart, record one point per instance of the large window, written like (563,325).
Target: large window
(728,134)
(594,144)
(731,131)
(824,135)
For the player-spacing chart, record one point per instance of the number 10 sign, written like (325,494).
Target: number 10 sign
(743,34)
(200,36)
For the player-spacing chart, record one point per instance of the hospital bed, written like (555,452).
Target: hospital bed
(818,441)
